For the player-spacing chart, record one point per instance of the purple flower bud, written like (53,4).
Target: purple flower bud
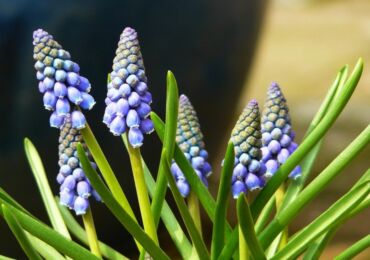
(116,82)
(237,188)
(141,88)
(84,85)
(132,119)
(147,97)
(48,83)
(239,173)
(197,162)
(146,126)
(60,178)
(134,99)
(271,168)
(73,78)
(62,107)
(194,151)
(39,65)
(276,134)
(88,101)
(135,137)
(253,182)
(74,95)
(114,94)
(296,173)
(56,121)
(60,75)
(117,126)
(132,80)
(176,171)
(283,155)
(40,76)
(83,189)
(122,107)
(80,205)
(143,110)
(265,154)
(78,120)
(49,100)
(107,101)
(292,147)
(111,109)
(78,174)
(207,169)
(124,90)
(204,154)
(49,72)
(76,68)
(285,141)
(183,187)
(254,166)
(66,198)
(107,119)
(69,184)
(65,170)
(244,159)
(60,90)
(274,147)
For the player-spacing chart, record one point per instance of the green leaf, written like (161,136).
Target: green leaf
(265,215)
(325,221)
(355,249)
(196,184)
(76,230)
(118,211)
(185,214)
(50,236)
(43,185)
(45,250)
(19,233)
(3,257)
(246,225)
(218,233)
(172,104)
(285,216)
(310,141)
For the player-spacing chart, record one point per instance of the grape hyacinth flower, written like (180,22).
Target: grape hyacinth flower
(60,82)
(246,137)
(75,188)
(128,99)
(277,135)
(190,140)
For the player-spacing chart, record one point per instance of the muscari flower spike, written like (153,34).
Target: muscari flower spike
(128,99)
(60,82)
(277,135)
(246,137)
(190,140)
(75,188)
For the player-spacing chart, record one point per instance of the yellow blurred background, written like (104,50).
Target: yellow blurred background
(302,45)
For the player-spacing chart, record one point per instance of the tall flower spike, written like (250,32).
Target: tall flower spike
(75,188)
(190,140)
(277,135)
(60,82)
(128,99)
(246,137)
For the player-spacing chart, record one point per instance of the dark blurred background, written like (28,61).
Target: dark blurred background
(210,47)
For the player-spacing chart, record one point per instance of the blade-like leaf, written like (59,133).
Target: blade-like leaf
(119,212)
(325,221)
(355,249)
(50,236)
(310,141)
(315,187)
(19,233)
(218,233)
(45,250)
(43,185)
(246,225)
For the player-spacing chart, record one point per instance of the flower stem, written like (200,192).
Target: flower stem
(91,233)
(243,248)
(142,192)
(193,205)
(280,194)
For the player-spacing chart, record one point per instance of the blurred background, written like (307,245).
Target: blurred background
(222,54)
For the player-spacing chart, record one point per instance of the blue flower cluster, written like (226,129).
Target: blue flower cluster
(75,188)
(246,137)
(128,99)
(60,81)
(277,135)
(190,140)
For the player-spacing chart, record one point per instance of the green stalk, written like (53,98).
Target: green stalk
(279,202)
(243,248)
(309,142)
(193,206)
(265,214)
(355,249)
(45,250)
(314,188)
(91,232)
(142,192)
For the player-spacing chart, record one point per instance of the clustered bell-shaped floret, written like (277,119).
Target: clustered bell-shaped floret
(246,137)
(277,135)
(60,81)
(75,188)
(190,140)
(128,99)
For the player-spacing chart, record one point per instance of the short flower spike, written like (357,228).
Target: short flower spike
(60,81)
(246,137)
(190,140)
(75,188)
(128,99)
(277,135)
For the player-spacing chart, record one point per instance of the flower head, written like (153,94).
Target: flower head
(128,99)
(75,188)
(190,140)
(246,137)
(60,81)
(277,135)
